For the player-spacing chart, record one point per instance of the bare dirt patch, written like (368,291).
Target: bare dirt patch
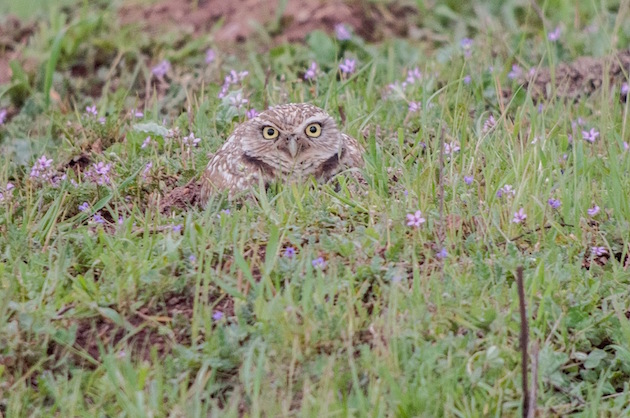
(159,326)
(182,198)
(242,18)
(12,33)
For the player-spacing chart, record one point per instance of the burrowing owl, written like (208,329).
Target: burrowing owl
(287,142)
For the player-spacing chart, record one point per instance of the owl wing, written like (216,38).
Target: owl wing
(352,155)
(228,170)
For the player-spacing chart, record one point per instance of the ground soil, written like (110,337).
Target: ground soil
(159,326)
(580,78)
(238,20)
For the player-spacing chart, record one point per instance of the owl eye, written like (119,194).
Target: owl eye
(314,130)
(269,132)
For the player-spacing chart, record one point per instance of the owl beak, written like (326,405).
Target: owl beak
(293,146)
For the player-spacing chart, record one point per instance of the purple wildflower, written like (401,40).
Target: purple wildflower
(91,110)
(342,32)
(238,101)
(232,78)
(102,120)
(311,72)
(161,69)
(210,55)
(466,45)
(146,142)
(506,190)
(593,211)
(442,253)
(467,79)
(413,76)
(177,228)
(590,136)
(414,107)
(468,180)
(99,173)
(415,219)
(192,258)
(42,168)
(191,140)
(348,66)
(625,89)
(289,252)
(9,187)
(515,73)
(554,203)
(626,146)
(554,35)
(319,262)
(451,148)
(489,124)
(98,218)
(598,251)
(84,206)
(519,216)
(3,116)
(146,170)
(252,113)
(137,113)
(540,108)
(217,315)
(121,220)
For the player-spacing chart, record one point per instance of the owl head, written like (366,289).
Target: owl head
(291,137)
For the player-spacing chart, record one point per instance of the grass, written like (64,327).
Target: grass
(137,317)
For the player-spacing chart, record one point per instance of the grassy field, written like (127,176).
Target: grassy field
(314,300)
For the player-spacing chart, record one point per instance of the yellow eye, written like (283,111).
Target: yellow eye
(269,132)
(314,130)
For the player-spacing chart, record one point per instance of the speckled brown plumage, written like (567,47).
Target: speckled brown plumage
(247,157)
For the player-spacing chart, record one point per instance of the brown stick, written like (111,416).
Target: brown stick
(523,339)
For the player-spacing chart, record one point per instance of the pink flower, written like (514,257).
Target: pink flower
(415,219)
(91,110)
(598,251)
(342,32)
(146,142)
(311,72)
(414,107)
(161,69)
(348,66)
(590,136)
(489,124)
(238,101)
(554,35)
(519,216)
(515,73)
(451,148)
(413,76)
(593,211)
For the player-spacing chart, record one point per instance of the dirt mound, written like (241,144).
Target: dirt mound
(242,18)
(580,78)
